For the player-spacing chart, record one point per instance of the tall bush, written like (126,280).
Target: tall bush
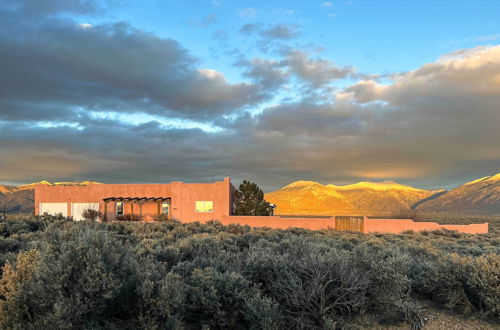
(83,275)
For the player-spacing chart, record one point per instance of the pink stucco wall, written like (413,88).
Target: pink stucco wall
(388,226)
(183,198)
(278,222)
(397,226)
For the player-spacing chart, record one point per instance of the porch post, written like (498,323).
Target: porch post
(105,217)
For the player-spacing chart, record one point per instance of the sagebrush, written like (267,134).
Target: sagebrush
(60,274)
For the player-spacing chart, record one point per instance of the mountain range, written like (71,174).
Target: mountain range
(385,198)
(481,196)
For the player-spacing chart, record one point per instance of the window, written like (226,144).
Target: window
(119,208)
(165,208)
(204,206)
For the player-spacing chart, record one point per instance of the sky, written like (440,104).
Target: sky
(337,92)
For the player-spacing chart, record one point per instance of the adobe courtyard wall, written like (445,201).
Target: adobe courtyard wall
(397,226)
(279,222)
(385,226)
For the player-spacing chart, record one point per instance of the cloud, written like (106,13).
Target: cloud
(285,12)
(60,82)
(109,67)
(492,37)
(210,19)
(366,91)
(267,73)
(53,7)
(472,72)
(85,25)
(436,124)
(248,12)
(327,4)
(249,28)
(316,71)
(281,32)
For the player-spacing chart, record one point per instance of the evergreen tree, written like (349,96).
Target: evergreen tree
(249,200)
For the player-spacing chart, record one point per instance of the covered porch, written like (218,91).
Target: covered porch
(135,208)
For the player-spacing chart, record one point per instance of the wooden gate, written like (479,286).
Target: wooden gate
(351,223)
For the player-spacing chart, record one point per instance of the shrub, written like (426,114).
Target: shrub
(224,301)
(161,217)
(484,280)
(127,217)
(161,297)
(63,274)
(311,282)
(465,283)
(405,213)
(90,214)
(13,311)
(83,275)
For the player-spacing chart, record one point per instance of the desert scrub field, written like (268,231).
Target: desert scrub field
(59,274)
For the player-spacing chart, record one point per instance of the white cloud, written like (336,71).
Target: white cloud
(492,37)
(327,4)
(474,72)
(285,12)
(212,74)
(85,25)
(248,12)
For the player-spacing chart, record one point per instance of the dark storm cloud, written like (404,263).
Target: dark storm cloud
(114,151)
(106,67)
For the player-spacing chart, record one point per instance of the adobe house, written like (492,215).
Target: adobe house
(189,202)
(177,200)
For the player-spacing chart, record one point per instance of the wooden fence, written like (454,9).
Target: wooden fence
(351,223)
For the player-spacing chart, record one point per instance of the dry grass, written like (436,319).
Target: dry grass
(438,320)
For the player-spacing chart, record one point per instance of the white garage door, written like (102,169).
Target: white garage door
(78,208)
(54,208)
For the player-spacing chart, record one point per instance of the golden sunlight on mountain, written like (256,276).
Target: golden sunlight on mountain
(385,198)
(380,186)
(308,197)
(300,184)
(477,196)
(48,183)
(7,189)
